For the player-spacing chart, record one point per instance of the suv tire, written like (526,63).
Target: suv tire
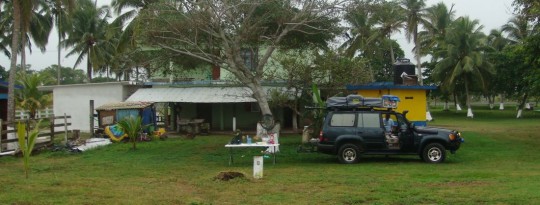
(349,154)
(434,153)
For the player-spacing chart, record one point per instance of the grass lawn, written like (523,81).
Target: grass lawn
(498,164)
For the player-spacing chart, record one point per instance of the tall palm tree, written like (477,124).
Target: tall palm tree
(88,36)
(36,25)
(17,13)
(415,17)
(390,18)
(519,30)
(60,10)
(463,61)
(6,22)
(437,21)
(362,29)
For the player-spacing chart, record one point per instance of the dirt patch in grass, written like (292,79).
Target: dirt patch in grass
(226,176)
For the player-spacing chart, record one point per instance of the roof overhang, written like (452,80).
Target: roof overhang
(52,87)
(390,86)
(199,94)
(124,105)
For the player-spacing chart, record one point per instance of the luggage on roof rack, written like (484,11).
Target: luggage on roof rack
(358,101)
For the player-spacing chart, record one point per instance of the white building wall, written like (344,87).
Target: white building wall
(74,100)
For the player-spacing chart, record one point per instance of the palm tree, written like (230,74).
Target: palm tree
(463,62)
(30,98)
(61,10)
(6,22)
(437,21)
(362,30)
(390,18)
(88,36)
(36,25)
(518,30)
(415,17)
(17,13)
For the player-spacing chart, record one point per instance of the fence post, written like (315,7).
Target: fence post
(51,125)
(91,118)
(65,129)
(1,127)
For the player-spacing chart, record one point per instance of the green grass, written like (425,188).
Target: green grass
(498,164)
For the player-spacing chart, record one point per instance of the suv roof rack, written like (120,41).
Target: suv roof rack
(353,102)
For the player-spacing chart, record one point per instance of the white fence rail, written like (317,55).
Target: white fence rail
(44,113)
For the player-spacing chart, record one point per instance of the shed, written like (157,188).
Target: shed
(413,97)
(111,113)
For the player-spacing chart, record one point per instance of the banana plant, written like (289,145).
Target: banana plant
(26,143)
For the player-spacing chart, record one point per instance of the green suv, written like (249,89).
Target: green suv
(353,130)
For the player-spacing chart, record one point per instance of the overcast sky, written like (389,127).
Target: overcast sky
(492,14)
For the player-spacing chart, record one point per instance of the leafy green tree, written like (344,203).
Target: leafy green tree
(415,18)
(230,38)
(522,34)
(68,75)
(463,62)
(3,73)
(30,98)
(88,36)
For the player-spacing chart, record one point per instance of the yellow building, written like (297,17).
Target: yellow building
(413,97)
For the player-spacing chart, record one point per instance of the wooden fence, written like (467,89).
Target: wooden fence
(45,136)
(40,114)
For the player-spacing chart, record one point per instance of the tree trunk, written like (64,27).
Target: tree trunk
(23,49)
(88,69)
(521,105)
(501,106)
(13,65)
(59,51)
(469,109)
(417,55)
(295,118)
(392,52)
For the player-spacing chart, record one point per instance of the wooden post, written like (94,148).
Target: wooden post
(91,117)
(51,124)
(1,127)
(65,129)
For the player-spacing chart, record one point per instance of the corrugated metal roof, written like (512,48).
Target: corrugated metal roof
(197,94)
(124,105)
(193,95)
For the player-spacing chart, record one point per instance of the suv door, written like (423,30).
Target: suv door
(406,135)
(370,128)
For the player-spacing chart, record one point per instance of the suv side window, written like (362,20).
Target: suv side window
(369,120)
(342,120)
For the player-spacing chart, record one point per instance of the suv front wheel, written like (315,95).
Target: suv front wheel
(348,154)
(434,153)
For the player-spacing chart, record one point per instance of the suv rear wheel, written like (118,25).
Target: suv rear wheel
(434,153)
(348,154)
